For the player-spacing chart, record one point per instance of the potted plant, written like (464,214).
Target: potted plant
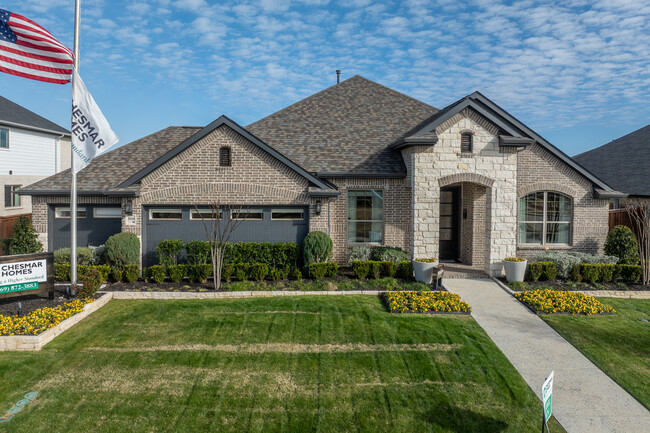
(424,269)
(515,268)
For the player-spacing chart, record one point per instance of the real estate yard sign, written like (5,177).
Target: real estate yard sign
(547,398)
(26,274)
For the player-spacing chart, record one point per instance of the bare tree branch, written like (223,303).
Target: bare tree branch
(640,218)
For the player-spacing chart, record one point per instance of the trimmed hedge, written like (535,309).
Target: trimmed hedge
(361,269)
(168,250)
(389,269)
(321,270)
(200,273)
(91,281)
(273,254)
(85,256)
(405,270)
(176,272)
(543,271)
(131,273)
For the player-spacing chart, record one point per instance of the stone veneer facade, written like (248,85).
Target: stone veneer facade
(492,179)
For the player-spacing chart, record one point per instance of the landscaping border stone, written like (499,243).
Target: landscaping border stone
(631,294)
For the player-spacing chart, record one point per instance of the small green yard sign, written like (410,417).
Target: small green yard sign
(547,399)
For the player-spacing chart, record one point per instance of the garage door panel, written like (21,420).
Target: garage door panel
(91,231)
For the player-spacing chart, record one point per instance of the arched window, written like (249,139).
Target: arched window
(224,157)
(545,218)
(466,142)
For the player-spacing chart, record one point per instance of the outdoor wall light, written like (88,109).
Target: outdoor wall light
(318,207)
(128,207)
(464,214)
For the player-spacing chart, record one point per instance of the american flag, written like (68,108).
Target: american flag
(28,50)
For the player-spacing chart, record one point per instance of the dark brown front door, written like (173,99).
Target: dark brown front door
(449,198)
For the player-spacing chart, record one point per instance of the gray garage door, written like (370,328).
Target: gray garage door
(260,224)
(95,224)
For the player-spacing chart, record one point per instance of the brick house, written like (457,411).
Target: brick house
(362,162)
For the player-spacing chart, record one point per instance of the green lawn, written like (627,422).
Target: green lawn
(619,344)
(290,364)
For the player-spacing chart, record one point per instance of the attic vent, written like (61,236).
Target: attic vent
(466,142)
(224,157)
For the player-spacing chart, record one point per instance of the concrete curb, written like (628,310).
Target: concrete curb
(36,342)
(503,286)
(628,294)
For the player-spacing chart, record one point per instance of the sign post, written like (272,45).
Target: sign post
(26,274)
(547,400)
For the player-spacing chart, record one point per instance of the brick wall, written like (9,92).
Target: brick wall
(539,170)
(472,228)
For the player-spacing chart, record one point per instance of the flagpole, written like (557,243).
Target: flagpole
(73,182)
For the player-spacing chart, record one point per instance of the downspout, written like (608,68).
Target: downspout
(329,224)
(57,153)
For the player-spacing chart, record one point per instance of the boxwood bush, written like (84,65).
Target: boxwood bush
(200,273)
(621,242)
(156,274)
(91,281)
(131,273)
(176,272)
(389,269)
(405,270)
(258,271)
(168,250)
(321,270)
(375,268)
(197,252)
(361,269)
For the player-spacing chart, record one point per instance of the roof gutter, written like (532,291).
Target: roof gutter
(413,141)
(342,175)
(606,195)
(52,192)
(34,128)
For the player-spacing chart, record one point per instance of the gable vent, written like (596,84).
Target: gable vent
(224,157)
(466,142)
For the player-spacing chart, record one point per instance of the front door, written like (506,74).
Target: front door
(449,200)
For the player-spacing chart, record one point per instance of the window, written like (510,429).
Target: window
(247,214)
(12,199)
(107,212)
(204,214)
(466,142)
(165,214)
(545,218)
(64,212)
(365,216)
(4,138)
(224,157)
(287,214)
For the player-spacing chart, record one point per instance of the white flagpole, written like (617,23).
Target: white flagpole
(73,183)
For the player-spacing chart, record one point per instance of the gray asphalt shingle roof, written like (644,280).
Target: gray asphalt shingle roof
(13,113)
(346,128)
(112,168)
(622,163)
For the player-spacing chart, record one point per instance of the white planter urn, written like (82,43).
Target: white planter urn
(515,271)
(424,271)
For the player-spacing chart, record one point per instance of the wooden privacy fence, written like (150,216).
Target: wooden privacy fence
(7,226)
(620,217)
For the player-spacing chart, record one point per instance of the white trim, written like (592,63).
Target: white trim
(95,209)
(348,221)
(544,222)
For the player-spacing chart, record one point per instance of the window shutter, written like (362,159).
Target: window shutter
(7,196)
(224,157)
(466,142)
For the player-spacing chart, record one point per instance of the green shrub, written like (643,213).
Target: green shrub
(62,271)
(388,254)
(361,269)
(621,242)
(156,274)
(389,269)
(197,252)
(105,270)
(629,273)
(227,271)
(258,271)
(274,254)
(84,256)
(405,270)
(318,270)
(122,249)
(23,240)
(565,261)
(360,253)
(177,272)
(168,250)
(241,272)
(131,273)
(62,256)
(296,273)
(549,271)
(575,273)
(317,247)
(606,273)
(590,272)
(375,268)
(276,274)
(200,273)
(116,274)
(91,281)
(534,271)
(332,269)
(99,254)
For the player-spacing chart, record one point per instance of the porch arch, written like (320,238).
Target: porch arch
(465,177)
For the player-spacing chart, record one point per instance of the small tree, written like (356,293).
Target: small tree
(317,247)
(622,243)
(24,239)
(219,230)
(640,217)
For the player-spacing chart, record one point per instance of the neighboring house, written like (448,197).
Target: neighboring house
(31,148)
(624,164)
(362,162)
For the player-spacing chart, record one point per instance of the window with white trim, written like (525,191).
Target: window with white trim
(287,214)
(247,214)
(205,214)
(365,216)
(107,212)
(4,138)
(64,212)
(545,218)
(166,214)
(12,199)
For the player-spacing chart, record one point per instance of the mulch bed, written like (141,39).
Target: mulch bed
(562,285)
(9,306)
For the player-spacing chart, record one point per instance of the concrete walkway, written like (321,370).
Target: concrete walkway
(585,400)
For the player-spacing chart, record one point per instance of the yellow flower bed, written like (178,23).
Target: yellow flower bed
(40,320)
(427,260)
(426,302)
(558,301)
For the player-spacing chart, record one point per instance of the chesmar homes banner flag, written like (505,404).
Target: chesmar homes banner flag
(29,51)
(91,133)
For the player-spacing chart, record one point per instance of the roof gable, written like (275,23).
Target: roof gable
(223,120)
(12,114)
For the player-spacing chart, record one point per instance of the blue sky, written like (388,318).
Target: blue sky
(575,71)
